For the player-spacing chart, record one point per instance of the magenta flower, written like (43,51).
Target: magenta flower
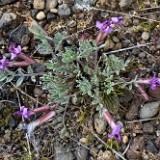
(117,20)
(24,112)
(15,51)
(108,25)
(105,26)
(116,128)
(3,63)
(154,82)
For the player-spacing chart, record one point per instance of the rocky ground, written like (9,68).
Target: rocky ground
(87,140)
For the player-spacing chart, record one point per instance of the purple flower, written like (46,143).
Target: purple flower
(116,128)
(24,112)
(108,25)
(15,51)
(154,82)
(105,26)
(117,20)
(3,63)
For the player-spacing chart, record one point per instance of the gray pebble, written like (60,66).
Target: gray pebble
(151,147)
(7,18)
(62,152)
(124,4)
(20,36)
(81,153)
(64,10)
(149,110)
(51,16)
(148,128)
(145,36)
(135,51)
(4,2)
(142,55)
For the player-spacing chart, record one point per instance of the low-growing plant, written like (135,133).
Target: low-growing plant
(84,74)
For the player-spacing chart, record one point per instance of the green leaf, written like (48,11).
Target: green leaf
(29,70)
(10,78)
(19,81)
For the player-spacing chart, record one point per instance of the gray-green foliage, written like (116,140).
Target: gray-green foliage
(78,74)
(43,47)
(17,76)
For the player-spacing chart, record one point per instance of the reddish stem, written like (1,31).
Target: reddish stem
(18,64)
(46,117)
(109,118)
(144,94)
(27,58)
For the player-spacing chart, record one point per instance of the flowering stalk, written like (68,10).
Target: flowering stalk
(26,113)
(144,94)
(107,27)
(28,59)
(116,128)
(17,52)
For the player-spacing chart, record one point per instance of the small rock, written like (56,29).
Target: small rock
(109,44)
(54,10)
(145,36)
(21,35)
(51,16)
(64,10)
(125,139)
(125,43)
(5,2)
(124,4)
(6,19)
(38,91)
(34,12)
(135,21)
(151,147)
(148,128)
(118,46)
(84,141)
(62,152)
(39,4)
(100,124)
(51,4)
(149,110)
(142,55)
(40,15)
(115,39)
(81,153)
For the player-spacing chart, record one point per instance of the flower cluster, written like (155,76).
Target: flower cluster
(24,112)
(15,51)
(108,25)
(3,63)
(154,82)
(116,128)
